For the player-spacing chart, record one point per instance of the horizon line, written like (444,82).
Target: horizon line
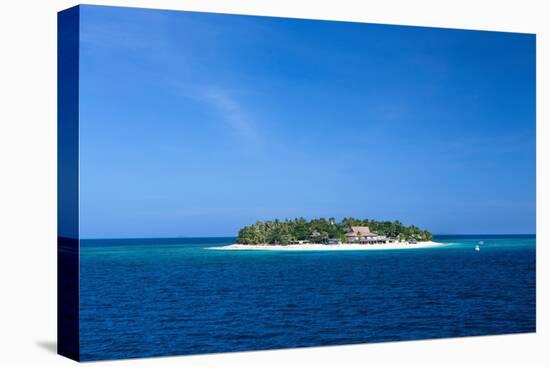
(233,236)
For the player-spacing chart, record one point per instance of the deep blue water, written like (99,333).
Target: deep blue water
(173,296)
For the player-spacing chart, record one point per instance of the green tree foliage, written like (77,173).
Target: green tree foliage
(321,230)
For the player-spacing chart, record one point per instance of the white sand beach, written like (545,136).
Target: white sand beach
(340,247)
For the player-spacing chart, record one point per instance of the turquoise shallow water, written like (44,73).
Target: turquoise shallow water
(152,297)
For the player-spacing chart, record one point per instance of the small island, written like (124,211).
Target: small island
(329,234)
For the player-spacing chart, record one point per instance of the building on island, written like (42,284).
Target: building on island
(299,242)
(356,234)
(363,234)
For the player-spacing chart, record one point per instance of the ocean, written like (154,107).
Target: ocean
(157,297)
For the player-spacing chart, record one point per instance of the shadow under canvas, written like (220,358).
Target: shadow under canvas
(48,345)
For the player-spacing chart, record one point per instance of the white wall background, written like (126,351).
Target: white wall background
(28,182)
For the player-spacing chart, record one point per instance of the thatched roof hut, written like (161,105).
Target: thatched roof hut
(360,232)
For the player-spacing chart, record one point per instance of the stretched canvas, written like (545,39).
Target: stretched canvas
(233,183)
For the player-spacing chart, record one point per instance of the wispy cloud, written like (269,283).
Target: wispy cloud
(148,38)
(232,112)
(235,115)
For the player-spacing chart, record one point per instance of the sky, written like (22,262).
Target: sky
(196,124)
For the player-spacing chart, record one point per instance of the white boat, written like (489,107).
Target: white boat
(477,247)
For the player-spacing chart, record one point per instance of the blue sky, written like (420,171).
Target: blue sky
(195,124)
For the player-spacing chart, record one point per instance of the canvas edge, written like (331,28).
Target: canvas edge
(68,252)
